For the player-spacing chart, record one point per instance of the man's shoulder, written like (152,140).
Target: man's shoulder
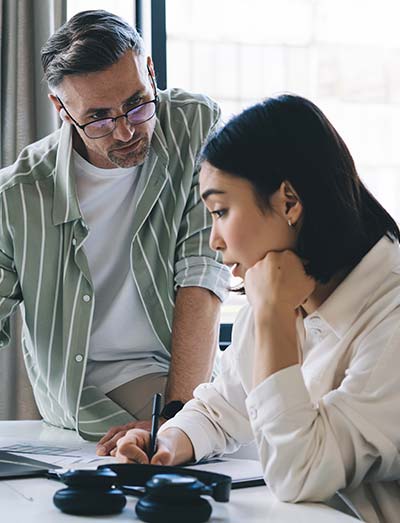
(176,99)
(35,162)
(182,113)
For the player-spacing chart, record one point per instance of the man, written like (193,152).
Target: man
(105,240)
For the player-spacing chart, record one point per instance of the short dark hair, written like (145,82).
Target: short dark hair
(89,41)
(288,138)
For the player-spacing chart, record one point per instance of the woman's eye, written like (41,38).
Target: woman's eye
(219,212)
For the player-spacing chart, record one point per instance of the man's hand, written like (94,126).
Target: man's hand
(109,441)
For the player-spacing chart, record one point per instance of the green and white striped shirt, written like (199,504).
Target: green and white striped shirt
(43,265)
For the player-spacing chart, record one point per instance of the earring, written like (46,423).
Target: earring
(290,223)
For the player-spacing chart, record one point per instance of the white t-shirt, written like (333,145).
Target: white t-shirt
(123,344)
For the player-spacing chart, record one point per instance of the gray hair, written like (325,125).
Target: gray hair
(90,41)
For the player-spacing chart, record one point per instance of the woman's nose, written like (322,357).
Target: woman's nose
(216,241)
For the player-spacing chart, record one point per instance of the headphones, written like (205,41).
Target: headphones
(171,494)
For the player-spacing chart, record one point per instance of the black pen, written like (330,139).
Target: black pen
(155,414)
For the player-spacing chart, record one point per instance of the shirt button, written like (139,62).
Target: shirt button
(253,413)
(316,331)
(86,298)
(73,241)
(78,358)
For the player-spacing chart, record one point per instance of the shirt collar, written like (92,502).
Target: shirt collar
(344,305)
(65,201)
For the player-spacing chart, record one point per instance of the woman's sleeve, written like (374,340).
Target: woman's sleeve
(309,451)
(216,419)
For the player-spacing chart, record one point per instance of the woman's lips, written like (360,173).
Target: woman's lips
(235,270)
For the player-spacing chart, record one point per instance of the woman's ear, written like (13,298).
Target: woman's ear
(292,206)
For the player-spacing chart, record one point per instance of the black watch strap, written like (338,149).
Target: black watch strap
(171,408)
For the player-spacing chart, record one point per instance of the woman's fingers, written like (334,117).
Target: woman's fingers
(131,453)
(109,440)
(163,456)
(133,447)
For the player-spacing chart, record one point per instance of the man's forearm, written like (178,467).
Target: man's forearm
(194,341)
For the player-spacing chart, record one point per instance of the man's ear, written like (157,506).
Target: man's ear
(150,68)
(59,108)
(292,206)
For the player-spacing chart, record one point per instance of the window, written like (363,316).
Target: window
(344,56)
(123,8)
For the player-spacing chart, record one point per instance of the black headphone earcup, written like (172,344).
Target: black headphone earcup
(89,501)
(154,510)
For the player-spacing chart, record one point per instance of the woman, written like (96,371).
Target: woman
(313,370)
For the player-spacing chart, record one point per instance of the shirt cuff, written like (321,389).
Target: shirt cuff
(201,271)
(281,392)
(194,425)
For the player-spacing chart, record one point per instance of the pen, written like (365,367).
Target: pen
(155,414)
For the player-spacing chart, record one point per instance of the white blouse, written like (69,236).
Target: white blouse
(332,423)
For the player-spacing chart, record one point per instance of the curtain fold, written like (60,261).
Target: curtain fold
(26,115)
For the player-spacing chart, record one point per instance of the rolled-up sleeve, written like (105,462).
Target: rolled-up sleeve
(201,271)
(196,264)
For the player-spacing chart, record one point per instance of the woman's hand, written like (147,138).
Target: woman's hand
(278,281)
(108,442)
(276,286)
(173,448)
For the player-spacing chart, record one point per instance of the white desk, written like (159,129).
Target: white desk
(30,500)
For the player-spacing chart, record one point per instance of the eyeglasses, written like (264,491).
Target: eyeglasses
(136,116)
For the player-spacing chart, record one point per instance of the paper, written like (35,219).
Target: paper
(244,472)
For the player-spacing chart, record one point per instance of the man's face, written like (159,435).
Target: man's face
(110,93)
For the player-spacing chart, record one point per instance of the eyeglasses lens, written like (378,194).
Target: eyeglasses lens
(141,114)
(100,128)
(135,116)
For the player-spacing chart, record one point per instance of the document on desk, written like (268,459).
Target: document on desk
(244,472)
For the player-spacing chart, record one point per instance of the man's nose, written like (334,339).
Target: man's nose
(123,129)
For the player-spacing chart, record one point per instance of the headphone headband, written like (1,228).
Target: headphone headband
(135,475)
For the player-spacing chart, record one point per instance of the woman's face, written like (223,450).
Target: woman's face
(241,230)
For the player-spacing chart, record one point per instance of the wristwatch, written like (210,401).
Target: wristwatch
(171,408)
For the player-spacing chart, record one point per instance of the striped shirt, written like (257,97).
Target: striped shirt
(44,267)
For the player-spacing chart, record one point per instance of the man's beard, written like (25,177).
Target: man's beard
(133,158)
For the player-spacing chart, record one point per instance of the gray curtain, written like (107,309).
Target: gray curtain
(25,116)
